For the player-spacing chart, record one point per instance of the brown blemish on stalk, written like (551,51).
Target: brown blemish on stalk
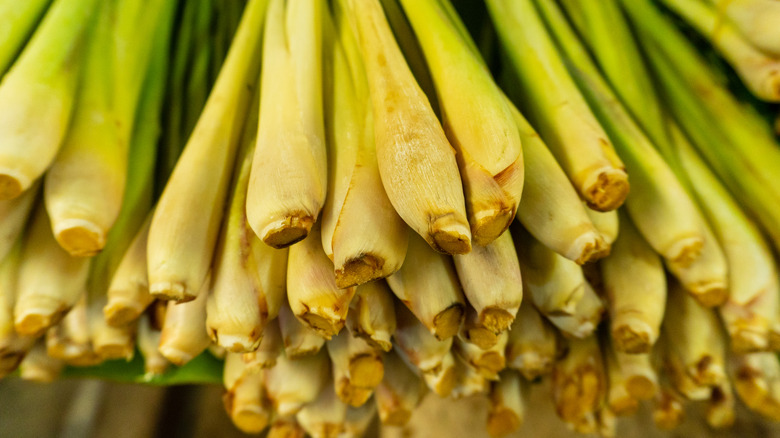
(293,229)
(323,326)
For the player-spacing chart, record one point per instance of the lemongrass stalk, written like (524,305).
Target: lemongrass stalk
(84,187)
(288,182)
(184,333)
(287,427)
(736,141)
(473,331)
(756,20)
(429,287)
(491,280)
(560,112)
(271,346)
(249,276)
(37,366)
(14,215)
(531,346)
(635,286)
(358,420)
(147,340)
(181,243)
(756,378)
(619,400)
(693,335)
(299,339)
(659,206)
(323,417)
(292,383)
(684,383)
(375,246)
(586,317)
(410,143)
(357,368)
(507,404)
(70,340)
(108,342)
(244,396)
(425,352)
(668,407)
(399,393)
(607,422)
(311,287)
(721,406)
(607,224)
(19,20)
(128,292)
(753,290)
(38,95)
(469,381)
(487,362)
(13,346)
(50,280)
(579,384)
(372,314)
(641,378)
(550,208)
(489,149)
(759,71)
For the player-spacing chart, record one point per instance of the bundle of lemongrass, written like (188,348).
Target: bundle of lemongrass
(324,194)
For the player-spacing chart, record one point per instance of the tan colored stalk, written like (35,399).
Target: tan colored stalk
(311,287)
(14,215)
(531,346)
(619,400)
(473,331)
(399,393)
(292,383)
(759,71)
(488,145)
(361,232)
(422,350)
(299,339)
(635,289)
(693,335)
(50,280)
(489,362)
(286,428)
(491,280)
(70,340)
(84,188)
(38,95)
(579,384)
(39,367)
(720,407)
(756,378)
(753,289)
(271,346)
(184,333)
(358,420)
(557,107)
(288,182)
(429,287)
(244,397)
(411,145)
(607,224)
(551,209)
(641,379)
(586,317)
(357,368)
(507,404)
(108,342)
(372,314)
(13,346)
(324,416)
(128,292)
(181,244)
(249,277)
(468,380)
(147,340)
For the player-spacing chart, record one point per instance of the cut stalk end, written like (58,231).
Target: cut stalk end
(360,270)
(606,189)
(175,355)
(396,417)
(79,237)
(447,322)
(684,251)
(633,337)
(489,224)
(450,236)
(171,291)
(250,419)
(502,421)
(287,231)
(709,294)
(482,337)
(366,371)
(115,351)
(34,321)
(495,319)
(12,183)
(119,312)
(746,340)
(325,325)
(237,343)
(588,247)
(640,387)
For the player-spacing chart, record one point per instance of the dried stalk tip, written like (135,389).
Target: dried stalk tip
(285,232)
(607,189)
